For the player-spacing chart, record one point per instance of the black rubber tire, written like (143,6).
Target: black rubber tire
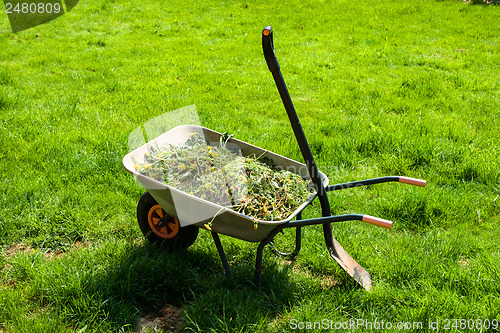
(184,237)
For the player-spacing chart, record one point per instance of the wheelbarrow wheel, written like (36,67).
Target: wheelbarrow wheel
(160,228)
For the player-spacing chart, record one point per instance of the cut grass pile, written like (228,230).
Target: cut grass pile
(381,87)
(245,184)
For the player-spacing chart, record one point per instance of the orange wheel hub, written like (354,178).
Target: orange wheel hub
(163,228)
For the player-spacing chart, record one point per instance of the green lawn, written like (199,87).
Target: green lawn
(382,88)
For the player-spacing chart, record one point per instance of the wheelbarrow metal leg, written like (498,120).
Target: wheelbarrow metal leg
(258,263)
(267,240)
(298,241)
(298,236)
(222,255)
(260,249)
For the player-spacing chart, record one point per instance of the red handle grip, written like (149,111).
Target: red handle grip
(412,181)
(377,221)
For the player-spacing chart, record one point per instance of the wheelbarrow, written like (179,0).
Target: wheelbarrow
(173,218)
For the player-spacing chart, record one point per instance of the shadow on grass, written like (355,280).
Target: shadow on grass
(187,290)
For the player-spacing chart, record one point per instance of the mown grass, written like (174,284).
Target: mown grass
(399,87)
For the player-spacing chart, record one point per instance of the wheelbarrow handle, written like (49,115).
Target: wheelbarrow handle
(376,221)
(268,47)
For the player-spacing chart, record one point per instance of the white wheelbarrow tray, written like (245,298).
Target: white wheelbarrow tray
(191,210)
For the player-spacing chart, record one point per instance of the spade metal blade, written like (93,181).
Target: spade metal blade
(350,265)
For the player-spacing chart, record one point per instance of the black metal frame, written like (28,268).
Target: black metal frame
(336,251)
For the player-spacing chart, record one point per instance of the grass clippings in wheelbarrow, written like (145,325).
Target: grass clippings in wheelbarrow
(247,185)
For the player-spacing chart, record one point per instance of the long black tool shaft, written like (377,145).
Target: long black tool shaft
(272,63)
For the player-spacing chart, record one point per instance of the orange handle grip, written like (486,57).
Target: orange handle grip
(412,181)
(377,221)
